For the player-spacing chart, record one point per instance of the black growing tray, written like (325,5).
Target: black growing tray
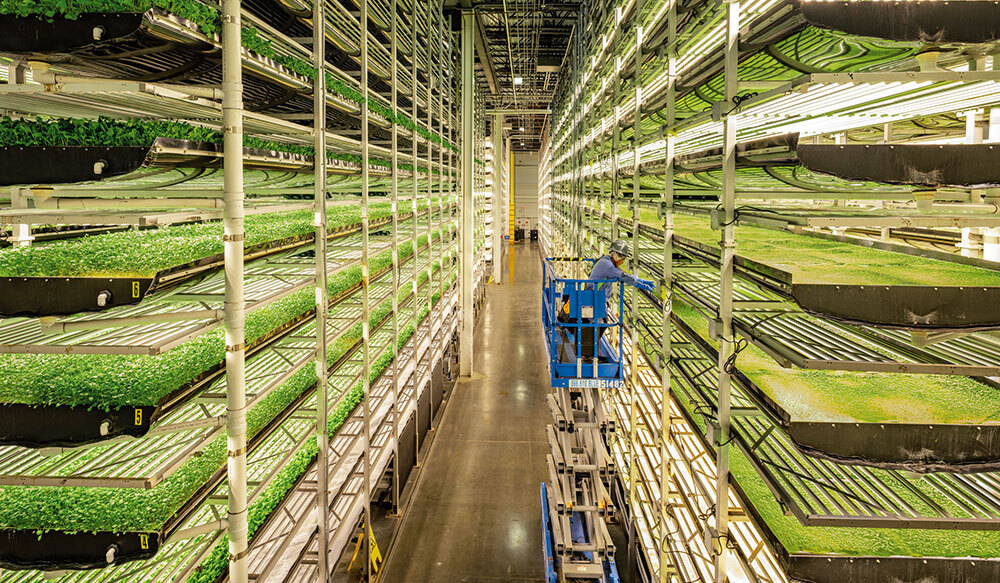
(804,567)
(928,22)
(27,549)
(928,165)
(50,296)
(64,164)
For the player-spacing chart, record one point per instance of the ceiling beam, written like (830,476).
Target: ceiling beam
(484,56)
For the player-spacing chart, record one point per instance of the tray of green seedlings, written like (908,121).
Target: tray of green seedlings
(98,396)
(114,269)
(832,554)
(94,527)
(917,422)
(842,537)
(850,283)
(52,30)
(67,150)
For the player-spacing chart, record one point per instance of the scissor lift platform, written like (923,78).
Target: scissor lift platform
(576,501)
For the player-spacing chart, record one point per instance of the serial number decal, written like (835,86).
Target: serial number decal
(595,384)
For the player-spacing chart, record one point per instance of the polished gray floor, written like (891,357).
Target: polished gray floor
(475,512)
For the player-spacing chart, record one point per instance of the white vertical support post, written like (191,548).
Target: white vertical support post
(444,42)
(667,212)
(415,193)
(633,398)
(468,210)
(498,216)
(322,296)
(235,302)
(720,540)
(429,104)
(365,302)
(394,193)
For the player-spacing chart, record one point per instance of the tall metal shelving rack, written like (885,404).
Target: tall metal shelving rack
(673,108)
(399,79)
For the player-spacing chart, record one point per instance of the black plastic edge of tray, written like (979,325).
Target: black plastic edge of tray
(909,307)
(65,164)
(838,569)
(54,296)
(910,447)
(66,425)
(35,34)
(926,22)
(929,165)
(27,549)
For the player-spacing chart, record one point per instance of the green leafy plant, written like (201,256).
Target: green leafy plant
(135,510)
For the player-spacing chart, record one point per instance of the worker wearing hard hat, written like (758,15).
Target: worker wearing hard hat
(609,267)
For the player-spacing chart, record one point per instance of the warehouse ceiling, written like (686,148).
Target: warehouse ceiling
(526,40)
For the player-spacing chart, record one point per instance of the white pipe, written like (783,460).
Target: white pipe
(468,205)
(720,542)
(55,327)
(235,302)
(497,141)
(394,192)
(322,293)
(365,300)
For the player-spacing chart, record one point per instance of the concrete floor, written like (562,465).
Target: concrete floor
(475,516)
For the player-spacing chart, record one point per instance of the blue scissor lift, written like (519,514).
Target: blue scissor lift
(576,501)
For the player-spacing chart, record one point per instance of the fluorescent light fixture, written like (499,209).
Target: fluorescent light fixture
(518,80)
(489,145)
(522,128)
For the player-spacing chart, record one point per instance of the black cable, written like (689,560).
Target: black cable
(739,99)
(738,347)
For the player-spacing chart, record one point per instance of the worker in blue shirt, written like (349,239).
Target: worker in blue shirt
(609,267)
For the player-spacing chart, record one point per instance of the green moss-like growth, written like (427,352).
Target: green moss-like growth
(814,260)
(147,252)
(864,397)
(849,541)
(206,16)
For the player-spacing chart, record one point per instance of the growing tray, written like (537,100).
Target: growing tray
(36,426)
(144,46)
(928,165)
(29,165)
(909,307)
(923,447)
(54,296)
(928,22)
(804,566)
